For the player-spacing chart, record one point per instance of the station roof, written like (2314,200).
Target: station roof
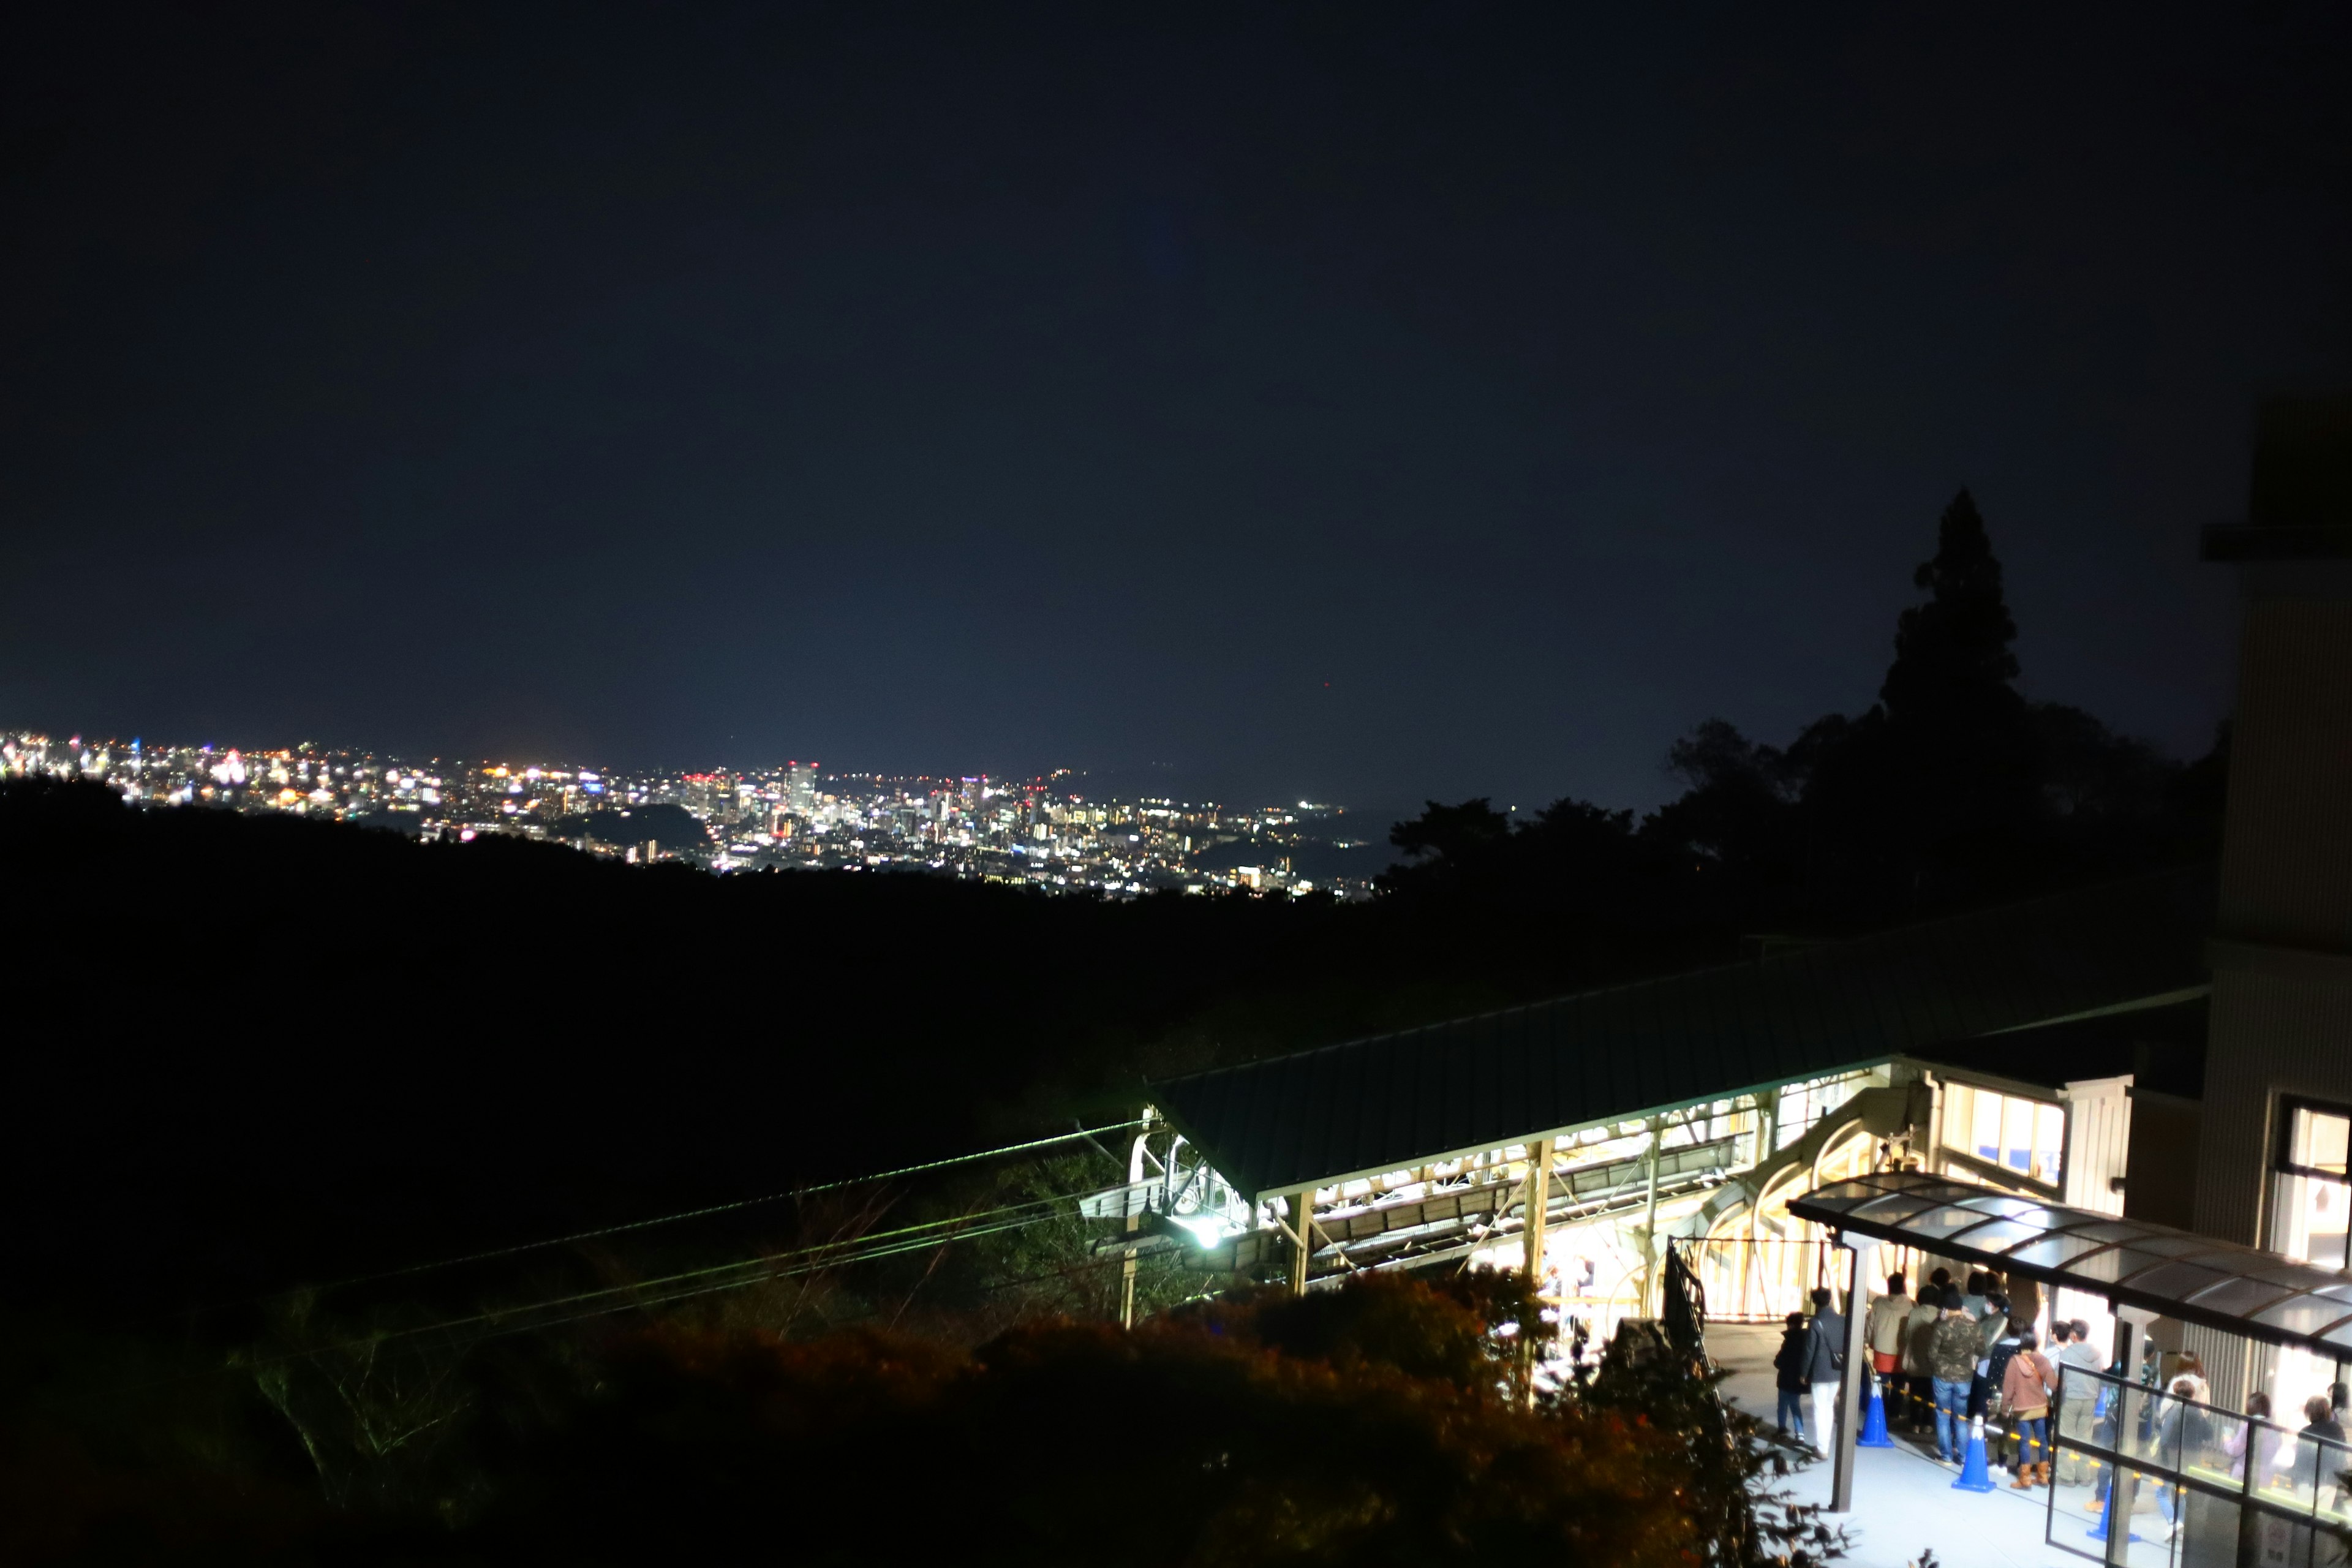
(2194,1278)
(1394,1102)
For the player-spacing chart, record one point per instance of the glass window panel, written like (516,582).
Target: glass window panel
(1984,1137)
(2039,1215)
(2320,1140)
(2214,1449)
(2329,1460)
(2049,1142)
(2016,1133)
(1960,1113)
(2338,1340)
(2238,1297)
(2000,1204)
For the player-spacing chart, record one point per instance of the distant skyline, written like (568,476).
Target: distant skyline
(1352,404)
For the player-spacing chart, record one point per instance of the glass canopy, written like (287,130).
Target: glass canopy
(2238,1289)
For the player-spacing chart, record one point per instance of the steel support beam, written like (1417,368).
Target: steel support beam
(1857,1367)
(1302,1226)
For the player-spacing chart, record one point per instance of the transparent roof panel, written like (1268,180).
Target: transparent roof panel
(1893,1210)
(2054,1251)
(2106,1227)
(1843,1194)
(1999,1235)
(2174,1245)
(2179,1280)
(2303,1315)
(2248,1292)
(2105,1266)
(2238,1297)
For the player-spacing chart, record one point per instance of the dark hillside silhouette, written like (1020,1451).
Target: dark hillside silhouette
(249,1051)
(1953,788)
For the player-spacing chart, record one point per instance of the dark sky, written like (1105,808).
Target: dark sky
(1362,402)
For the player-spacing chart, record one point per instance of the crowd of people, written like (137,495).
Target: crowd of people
(1953,1352)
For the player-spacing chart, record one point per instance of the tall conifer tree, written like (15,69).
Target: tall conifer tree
(1954,664)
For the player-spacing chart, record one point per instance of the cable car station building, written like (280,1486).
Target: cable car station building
(2138,1096)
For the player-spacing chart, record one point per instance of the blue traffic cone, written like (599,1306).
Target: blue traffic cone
(2098,1531)
(1976,1475)
(1874,1423)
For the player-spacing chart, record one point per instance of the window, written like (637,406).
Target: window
(2310,1199)
(2310,1203)
(2025,1137)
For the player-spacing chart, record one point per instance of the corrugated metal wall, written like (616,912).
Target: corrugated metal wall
(2271,1036)
(2287,863)
(2281,1025)
(2098,1143)
(2281,1016)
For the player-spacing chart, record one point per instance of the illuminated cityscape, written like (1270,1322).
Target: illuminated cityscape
(1040,832)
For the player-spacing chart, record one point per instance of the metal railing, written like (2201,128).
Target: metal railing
(1760,1280)
(2229,1488)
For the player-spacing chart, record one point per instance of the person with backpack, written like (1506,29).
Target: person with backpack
(1825,1367)
(1789,1377)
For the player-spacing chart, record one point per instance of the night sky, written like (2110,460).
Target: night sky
(1368,403)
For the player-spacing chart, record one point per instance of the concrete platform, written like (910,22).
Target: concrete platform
(1904,1502)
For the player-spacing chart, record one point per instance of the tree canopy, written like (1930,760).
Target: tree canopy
(1954,787)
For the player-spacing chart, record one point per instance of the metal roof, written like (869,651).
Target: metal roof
(2239,1290)
(1395,1102)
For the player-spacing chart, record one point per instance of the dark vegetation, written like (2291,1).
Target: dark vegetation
(1371,1425)
(1952,789)
(252,1057)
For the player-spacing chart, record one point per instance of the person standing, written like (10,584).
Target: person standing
(1825,1367)
(1882,1329)
(1918,1411)
(2078,1395)
(1954,1347)
(2026,1381)
(1789,1377)
(1993,1321)
(2317,1458)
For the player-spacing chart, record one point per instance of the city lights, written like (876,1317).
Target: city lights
(1034,832)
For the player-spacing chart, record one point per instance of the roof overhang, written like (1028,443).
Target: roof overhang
(2178,1274)
(1175,1118)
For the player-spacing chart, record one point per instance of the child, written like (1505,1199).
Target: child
(1789,1377)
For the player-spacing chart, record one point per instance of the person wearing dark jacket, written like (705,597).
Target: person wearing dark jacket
(1953,1351)
(1825,1367)
(1789,1377)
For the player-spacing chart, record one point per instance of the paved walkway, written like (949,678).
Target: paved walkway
(1903,1498)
